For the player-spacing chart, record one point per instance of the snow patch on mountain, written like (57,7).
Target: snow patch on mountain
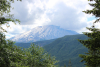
(42,33)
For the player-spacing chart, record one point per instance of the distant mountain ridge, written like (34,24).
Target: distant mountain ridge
(39,43)
(42,33)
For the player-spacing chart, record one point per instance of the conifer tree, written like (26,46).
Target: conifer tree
(93,43)
(95,11)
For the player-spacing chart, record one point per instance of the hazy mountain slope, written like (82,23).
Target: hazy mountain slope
(40,43)
(67,47)
(42,33)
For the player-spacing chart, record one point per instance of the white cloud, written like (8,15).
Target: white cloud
(64,13)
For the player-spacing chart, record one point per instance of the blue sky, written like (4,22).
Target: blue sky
(64,13)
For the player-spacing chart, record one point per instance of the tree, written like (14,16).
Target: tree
(10,54)
(95,11)
(5,51)
(13,56)
(93,44)
(36,57)
(5,8)
(5,48)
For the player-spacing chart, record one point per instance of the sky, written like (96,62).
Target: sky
(64,13)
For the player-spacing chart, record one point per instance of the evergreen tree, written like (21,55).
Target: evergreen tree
(93,44)
(95,11)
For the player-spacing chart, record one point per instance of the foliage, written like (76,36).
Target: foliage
(95,11)
(37,57)
(13,56)
(93,44)
(10,54)
(5,8)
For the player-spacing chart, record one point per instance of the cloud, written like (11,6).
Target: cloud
(27,11)
(68,15)
(64,13)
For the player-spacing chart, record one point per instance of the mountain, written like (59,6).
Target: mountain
(42,33)
(68,47)
(64,48)
(39,43)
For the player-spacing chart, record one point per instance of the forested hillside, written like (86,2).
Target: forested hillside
(67,47)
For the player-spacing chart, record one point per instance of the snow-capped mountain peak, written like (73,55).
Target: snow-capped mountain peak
(42,33)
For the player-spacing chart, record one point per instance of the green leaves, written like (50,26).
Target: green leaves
(37,57)
(5,8)
(13,56)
